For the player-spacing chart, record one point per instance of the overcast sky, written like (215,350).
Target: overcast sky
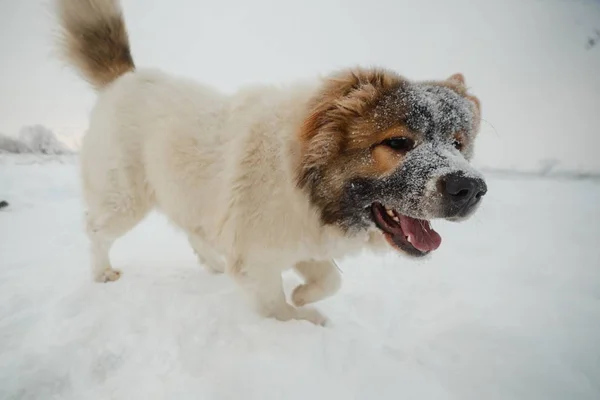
(526,59)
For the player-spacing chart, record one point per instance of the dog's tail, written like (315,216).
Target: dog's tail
(94,40)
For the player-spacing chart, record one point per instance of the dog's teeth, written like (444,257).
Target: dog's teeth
(408,239)
(396,219)
(389,212)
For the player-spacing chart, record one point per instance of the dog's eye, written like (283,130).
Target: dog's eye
(400,143)
(457,144)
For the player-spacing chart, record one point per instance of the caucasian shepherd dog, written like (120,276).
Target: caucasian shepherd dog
(270,177)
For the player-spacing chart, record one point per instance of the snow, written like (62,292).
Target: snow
(12,145)
(34,139)
(42,140)
(507,308)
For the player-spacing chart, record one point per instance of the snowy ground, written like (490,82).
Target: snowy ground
(509,308)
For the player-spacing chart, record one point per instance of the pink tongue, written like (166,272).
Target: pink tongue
(421,235)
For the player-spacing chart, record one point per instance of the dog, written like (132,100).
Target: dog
(271,177)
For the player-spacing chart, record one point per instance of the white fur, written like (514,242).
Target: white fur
(222,168)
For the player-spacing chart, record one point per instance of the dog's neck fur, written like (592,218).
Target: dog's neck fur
(325,241)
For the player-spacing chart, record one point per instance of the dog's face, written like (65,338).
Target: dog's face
(381,151)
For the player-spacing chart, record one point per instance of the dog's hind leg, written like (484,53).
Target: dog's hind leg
(104,226)
(207,256)
(322,279)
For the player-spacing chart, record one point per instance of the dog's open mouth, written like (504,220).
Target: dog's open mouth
(411,235)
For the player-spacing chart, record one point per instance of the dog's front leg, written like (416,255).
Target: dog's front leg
(265,287)
(322,279)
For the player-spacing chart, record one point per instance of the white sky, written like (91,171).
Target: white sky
(525,59)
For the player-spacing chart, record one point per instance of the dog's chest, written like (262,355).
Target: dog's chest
(325,245)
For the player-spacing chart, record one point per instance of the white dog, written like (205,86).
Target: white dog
(269,178)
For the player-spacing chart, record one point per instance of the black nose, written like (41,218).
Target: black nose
(461,190)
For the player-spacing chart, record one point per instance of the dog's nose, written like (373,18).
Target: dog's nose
(461,190)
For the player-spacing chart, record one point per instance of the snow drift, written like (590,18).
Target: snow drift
(35,139)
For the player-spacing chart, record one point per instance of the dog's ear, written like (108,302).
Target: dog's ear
(477,107)
(458,78)
(475,101)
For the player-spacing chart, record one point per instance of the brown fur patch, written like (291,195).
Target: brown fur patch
(368,133)
(461,139)
(458,78)
(344,98)
(94,39)
(385,160)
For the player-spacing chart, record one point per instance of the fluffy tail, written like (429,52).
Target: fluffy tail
(94,39)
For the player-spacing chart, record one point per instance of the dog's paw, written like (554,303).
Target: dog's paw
(310,293)
(108,275)
(312,315)
(302,295)
(300,314)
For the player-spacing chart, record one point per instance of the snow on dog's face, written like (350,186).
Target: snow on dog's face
(381,151)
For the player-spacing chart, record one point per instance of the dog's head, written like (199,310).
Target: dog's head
(381,151)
